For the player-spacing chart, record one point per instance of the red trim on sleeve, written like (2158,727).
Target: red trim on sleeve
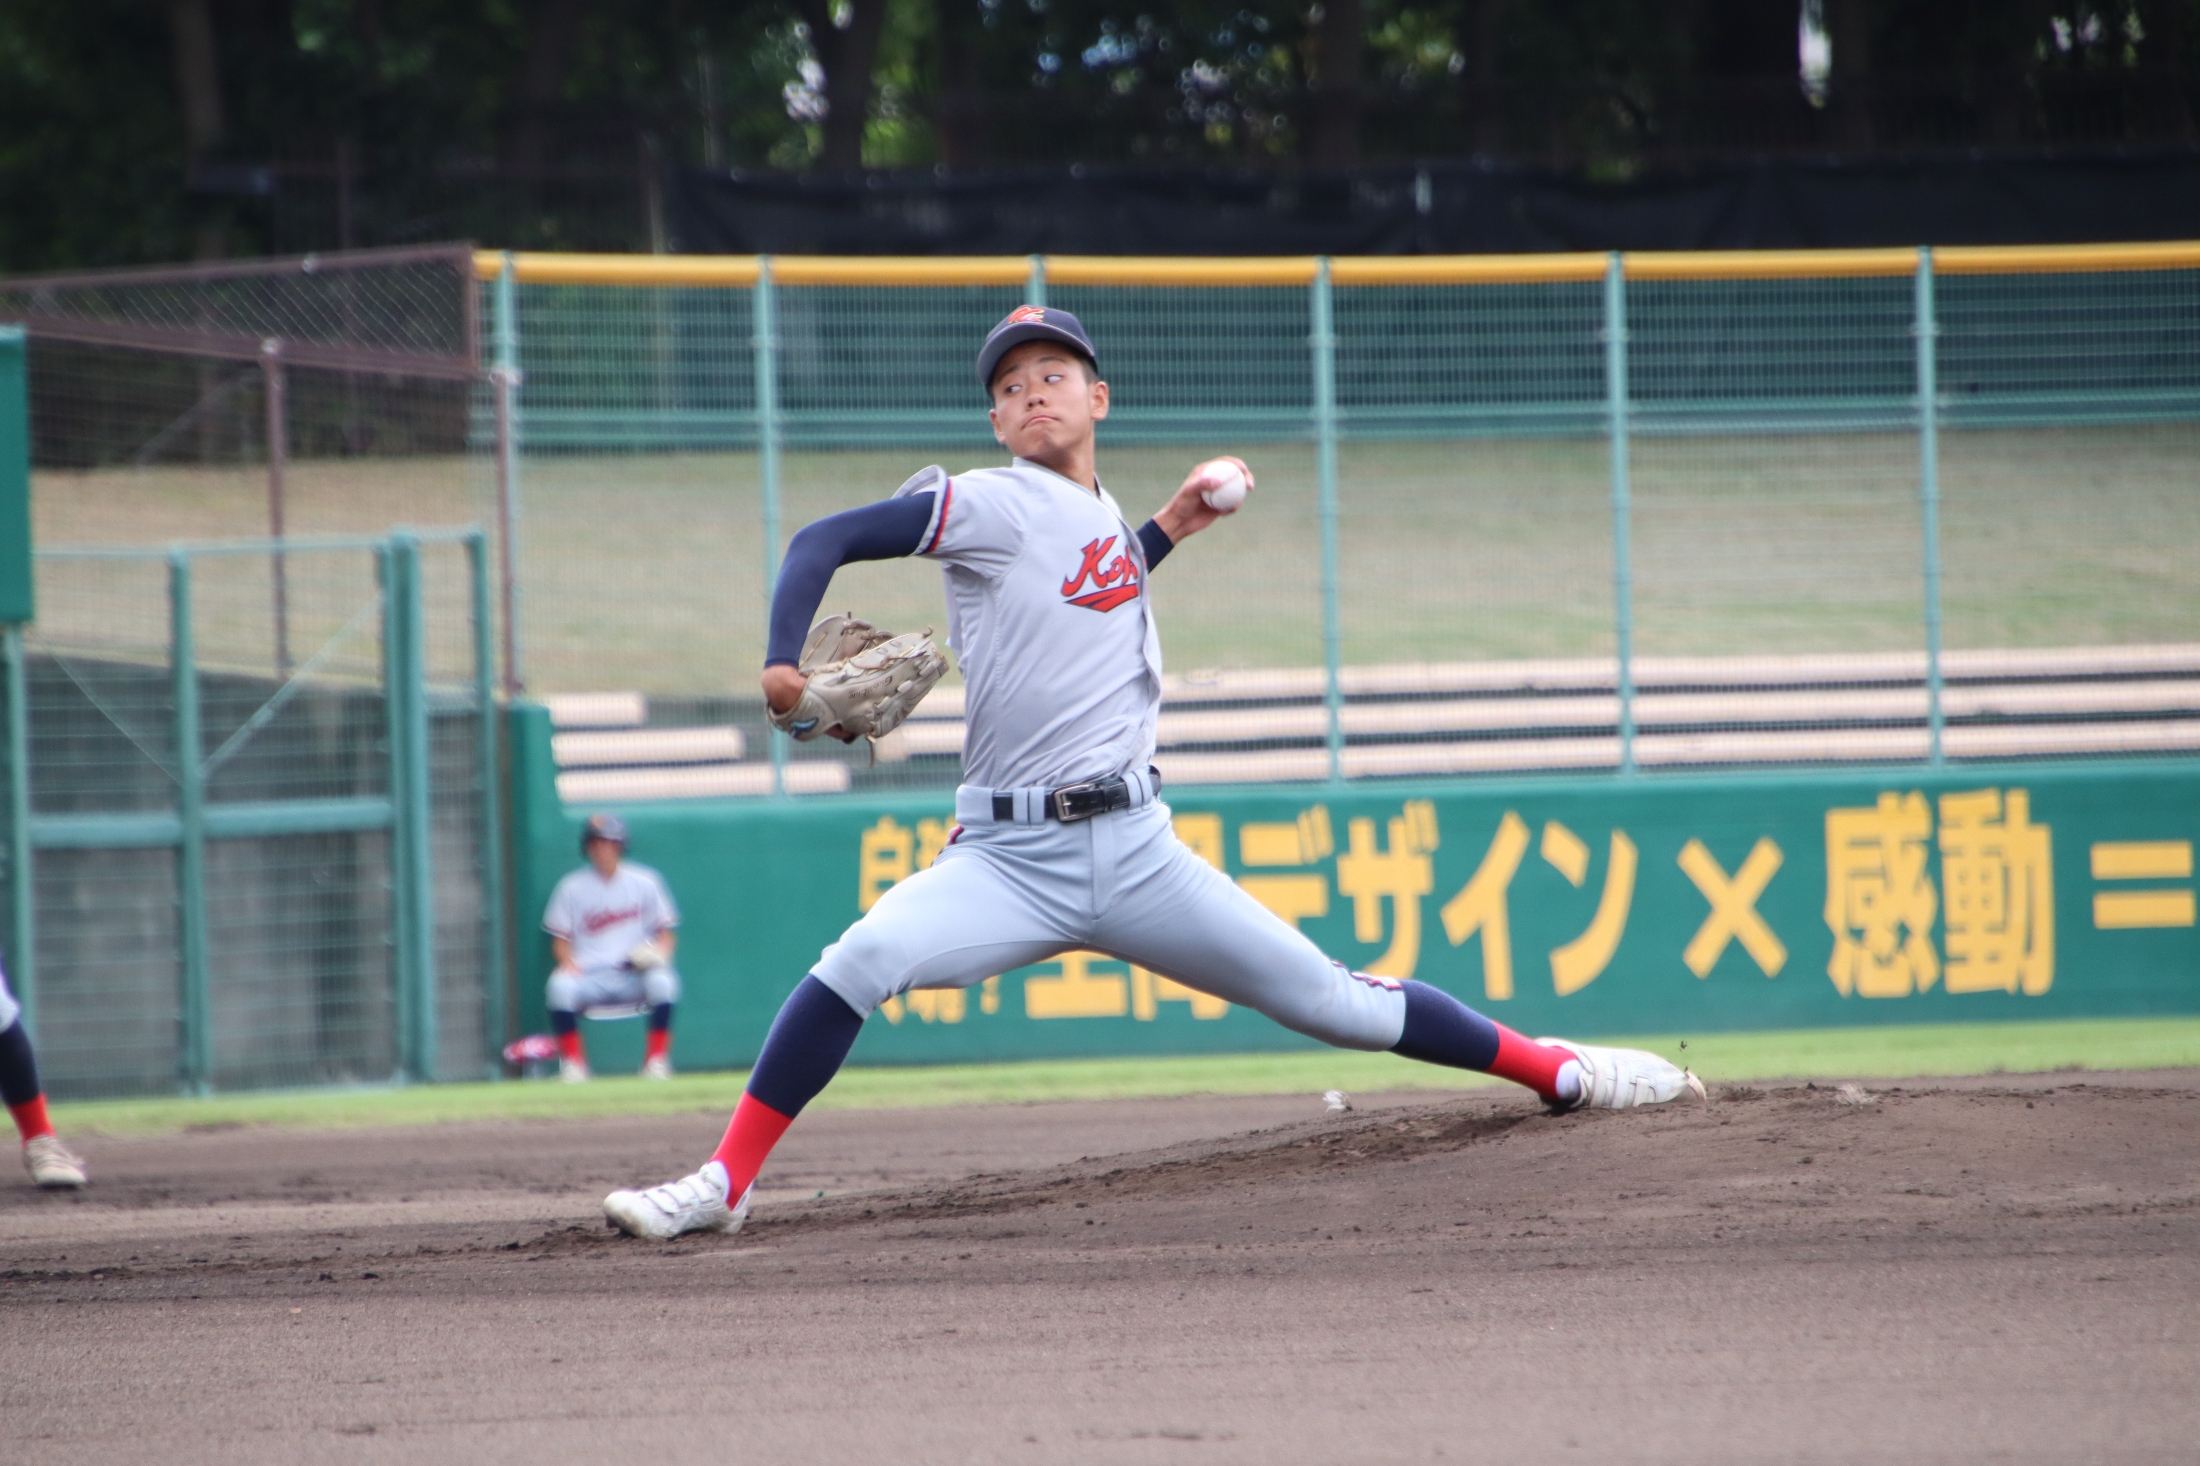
(947,502)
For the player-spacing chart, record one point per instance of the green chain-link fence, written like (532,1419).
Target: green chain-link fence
(1514,515)
(252,829)
(247,866)
(1550,512)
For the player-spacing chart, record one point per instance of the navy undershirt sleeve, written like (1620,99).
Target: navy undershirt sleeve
(886,530)
(1156,543)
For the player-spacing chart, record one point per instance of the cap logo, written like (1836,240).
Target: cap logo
(1025,315)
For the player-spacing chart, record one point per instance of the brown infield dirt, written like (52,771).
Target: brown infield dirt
(2001,1269)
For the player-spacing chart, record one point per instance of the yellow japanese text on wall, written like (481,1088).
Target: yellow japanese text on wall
(1645,913)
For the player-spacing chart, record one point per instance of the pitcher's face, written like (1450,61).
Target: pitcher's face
(1045,401)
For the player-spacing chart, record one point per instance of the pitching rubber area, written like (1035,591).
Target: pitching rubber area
(1917,1271)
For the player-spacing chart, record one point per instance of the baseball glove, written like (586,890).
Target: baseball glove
(862,681)
(645,957)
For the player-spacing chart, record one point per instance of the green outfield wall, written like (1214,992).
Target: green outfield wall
(1581,906)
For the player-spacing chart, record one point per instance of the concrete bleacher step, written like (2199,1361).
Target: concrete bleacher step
(1652,711)
(629,746)
(713,781)
(1683,750)
(1599,674)
(597,709)
(1507,717)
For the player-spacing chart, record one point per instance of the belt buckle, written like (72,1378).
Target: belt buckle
(1065,812)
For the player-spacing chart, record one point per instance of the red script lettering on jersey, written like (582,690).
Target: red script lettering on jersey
(1113,581)
(596,921)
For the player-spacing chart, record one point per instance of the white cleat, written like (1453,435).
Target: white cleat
(572,1071)
(1620,1079)
(52,1164)
(657,1068)
(694,1203)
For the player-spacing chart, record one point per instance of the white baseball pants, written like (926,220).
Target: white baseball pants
(1008,894)
(611,987)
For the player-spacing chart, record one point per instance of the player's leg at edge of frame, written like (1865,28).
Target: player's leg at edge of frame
(52,1164)
(815,1029)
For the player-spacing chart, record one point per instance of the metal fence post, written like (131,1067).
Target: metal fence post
(1928,486)
(494,977)
(278,464)
(22,912)
(197,1015)
(1325,449)
(405,890)
(504,382)
(1623,573)
(766,320)
(1035,291)
(401,989)
(393,733)
(412,827)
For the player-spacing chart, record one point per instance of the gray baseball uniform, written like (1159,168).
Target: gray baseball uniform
(1051,623)
(603,921)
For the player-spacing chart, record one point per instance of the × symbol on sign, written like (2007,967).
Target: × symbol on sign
(1733,908)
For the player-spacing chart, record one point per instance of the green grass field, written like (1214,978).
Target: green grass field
(646,571)
(1826,1053)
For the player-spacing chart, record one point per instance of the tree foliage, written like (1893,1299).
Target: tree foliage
(296,124)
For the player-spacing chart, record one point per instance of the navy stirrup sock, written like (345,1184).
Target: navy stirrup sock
(1442,1030)
(808,1043)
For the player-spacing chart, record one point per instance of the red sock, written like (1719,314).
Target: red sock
(756,1128)
(660,1043)
(569,1046)
(1524,1061)
(30,1118)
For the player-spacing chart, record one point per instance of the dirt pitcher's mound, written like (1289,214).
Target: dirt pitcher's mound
(1996,1270)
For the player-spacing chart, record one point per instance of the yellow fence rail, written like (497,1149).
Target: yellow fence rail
(692,271)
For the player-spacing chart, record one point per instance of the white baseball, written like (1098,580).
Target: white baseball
(1226,487)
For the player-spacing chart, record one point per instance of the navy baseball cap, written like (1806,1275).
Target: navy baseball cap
(604,827)
(1031,323)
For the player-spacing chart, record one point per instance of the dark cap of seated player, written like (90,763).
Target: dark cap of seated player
(604,826)
(1032,323)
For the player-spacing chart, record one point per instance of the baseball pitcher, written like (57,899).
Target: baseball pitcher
(1064,842)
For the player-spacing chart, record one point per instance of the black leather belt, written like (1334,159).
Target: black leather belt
(1074,802)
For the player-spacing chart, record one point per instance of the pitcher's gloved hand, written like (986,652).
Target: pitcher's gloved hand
(861,681)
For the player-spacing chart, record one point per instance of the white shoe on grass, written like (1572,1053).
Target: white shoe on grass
(572,1071)
(694,1203)
(52,1164)
(657,1068)
(1620,1079)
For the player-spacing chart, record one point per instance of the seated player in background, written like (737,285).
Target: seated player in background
(1063,841)
(50,1162)
(611,929)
